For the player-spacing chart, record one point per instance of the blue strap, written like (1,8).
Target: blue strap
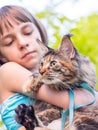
(91,90)
(70,110)
(71,107)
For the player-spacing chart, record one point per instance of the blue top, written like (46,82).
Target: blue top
(7,109)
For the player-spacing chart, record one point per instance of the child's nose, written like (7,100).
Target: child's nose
(22,43)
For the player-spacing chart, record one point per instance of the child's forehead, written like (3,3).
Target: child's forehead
(8,27)
(8,24)
(16,28)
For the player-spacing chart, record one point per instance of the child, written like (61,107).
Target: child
(19,57)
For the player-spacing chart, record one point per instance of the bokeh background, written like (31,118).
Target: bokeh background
(79,17)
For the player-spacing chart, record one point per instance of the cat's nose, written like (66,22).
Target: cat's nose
(42,71)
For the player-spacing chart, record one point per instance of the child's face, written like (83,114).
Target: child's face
(19,45)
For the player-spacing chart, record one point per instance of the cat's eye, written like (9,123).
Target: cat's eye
(41,64)
(53,63)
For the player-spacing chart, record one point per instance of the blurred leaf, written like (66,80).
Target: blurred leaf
(86,39)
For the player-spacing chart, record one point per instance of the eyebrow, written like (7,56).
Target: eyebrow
(8,35)
(4,37)
(27,25)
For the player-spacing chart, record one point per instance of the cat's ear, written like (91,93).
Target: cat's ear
(43,47)
(66,47)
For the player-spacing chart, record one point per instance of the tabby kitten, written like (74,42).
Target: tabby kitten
(62,69)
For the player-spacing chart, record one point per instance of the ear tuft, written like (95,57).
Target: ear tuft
(69,35)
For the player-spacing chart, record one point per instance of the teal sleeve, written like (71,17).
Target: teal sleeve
(8,111)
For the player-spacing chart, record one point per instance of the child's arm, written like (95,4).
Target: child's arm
(13,76)
(61,99)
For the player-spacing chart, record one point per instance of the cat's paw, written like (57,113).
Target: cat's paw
(35,82)
(32,84)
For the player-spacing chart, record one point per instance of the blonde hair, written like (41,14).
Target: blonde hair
(19,14)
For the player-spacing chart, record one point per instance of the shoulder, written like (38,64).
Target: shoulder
(11,68)
(9,65)
(7,68)
(12,76)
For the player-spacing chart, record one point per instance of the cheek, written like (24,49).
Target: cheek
(11,55)
(37,35)
(39,50)
(4,53)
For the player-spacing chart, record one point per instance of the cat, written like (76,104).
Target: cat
(64,69)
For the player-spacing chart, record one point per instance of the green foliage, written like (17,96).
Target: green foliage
(1,123)
(2,127)
(86,39)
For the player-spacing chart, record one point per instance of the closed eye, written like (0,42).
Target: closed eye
(27,30)
(9,43)
(28,33)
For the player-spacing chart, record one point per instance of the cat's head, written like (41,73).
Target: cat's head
(59,65)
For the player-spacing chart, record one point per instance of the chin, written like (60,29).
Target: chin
(33,67)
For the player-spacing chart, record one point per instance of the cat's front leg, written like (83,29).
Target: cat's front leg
(32,84)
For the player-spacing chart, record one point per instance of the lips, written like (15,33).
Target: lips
(31,53)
